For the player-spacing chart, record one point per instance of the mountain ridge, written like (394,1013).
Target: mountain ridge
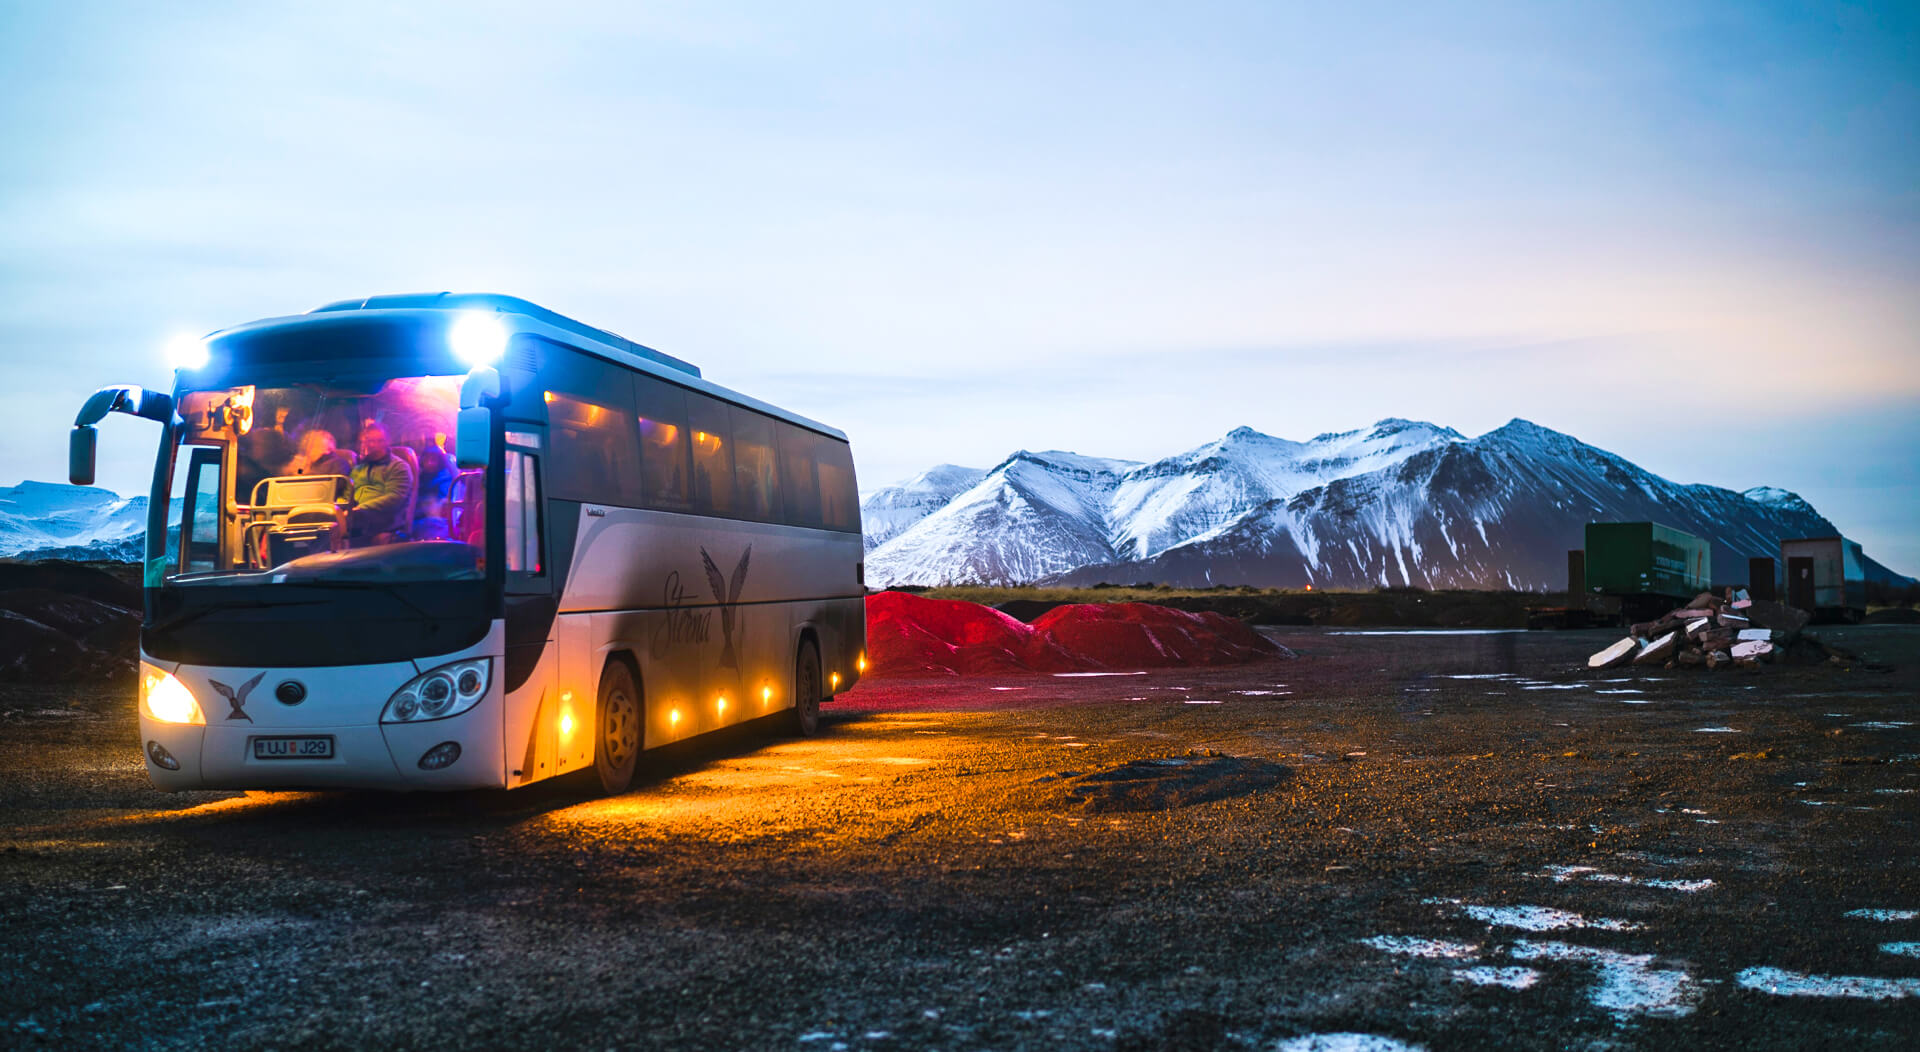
(1401,503)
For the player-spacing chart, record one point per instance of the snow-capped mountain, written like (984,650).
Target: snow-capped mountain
(1401,503)
(1034,516)
(54,520)
(886,512)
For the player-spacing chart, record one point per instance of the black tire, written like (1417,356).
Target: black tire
(618,729)
(806,691)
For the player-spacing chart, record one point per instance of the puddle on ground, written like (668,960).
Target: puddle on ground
(1535,918)
(1628,982)
(1563,874)
(1415,946)
(1345,1043)
(1883,915)
(1168,782)
(1513,978)
(1783,983)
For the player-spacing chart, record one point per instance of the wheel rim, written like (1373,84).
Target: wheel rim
(619,729)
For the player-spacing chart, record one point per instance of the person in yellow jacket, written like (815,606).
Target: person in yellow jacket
(382,491)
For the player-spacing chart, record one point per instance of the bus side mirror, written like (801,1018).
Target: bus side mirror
(473,437)
(80,448)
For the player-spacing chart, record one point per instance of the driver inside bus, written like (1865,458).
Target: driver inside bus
(382,490)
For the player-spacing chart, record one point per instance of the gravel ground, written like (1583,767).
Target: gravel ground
(1451,841)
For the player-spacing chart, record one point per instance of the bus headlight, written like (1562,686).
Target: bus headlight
(165,699)
(441,692)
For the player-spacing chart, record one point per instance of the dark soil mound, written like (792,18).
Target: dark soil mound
(78,579)
(31,652)
(1169,782)
(908,635)
(76,616)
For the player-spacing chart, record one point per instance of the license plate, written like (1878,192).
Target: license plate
(293,748)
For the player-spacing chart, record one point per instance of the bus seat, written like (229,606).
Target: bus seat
(282,492)
(407,454)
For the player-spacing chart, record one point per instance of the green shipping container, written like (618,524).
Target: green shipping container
(1646,558)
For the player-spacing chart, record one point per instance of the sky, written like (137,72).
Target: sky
(1686,233)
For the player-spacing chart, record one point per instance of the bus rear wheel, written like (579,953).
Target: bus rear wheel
(616,736)
(806,691)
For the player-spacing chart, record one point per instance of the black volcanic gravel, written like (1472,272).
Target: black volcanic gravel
(922,875)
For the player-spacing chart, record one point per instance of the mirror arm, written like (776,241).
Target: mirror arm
(128,399)
(482,388)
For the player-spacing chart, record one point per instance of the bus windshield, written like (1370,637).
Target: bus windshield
(317,482)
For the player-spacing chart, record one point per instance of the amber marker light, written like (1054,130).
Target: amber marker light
(833,679)
(860,663)
(766,695)
(674,717)
(167,700)
(721,705)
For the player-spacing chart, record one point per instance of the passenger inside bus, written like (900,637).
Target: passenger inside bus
(320,454)
(265,452)
(383,489)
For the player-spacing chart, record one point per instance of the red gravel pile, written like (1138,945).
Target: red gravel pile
(908,635)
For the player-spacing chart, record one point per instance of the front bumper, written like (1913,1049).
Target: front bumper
(367,756)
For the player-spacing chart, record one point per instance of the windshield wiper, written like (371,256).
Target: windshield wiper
(390,588)
(187,617)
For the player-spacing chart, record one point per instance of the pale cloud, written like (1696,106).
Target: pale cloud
(961,231)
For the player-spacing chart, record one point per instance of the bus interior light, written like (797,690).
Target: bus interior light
(167,700)
(478,338)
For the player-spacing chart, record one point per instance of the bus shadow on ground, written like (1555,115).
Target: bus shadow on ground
(480,810)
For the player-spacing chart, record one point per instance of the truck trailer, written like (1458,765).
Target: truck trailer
(1641,567)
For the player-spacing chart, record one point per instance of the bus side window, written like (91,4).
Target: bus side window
(798,481)
(712,456)
(200,517)
(664,468)
(756,482)
(595,457)
(523,513)
(839,495)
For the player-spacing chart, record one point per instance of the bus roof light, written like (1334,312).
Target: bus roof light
(478,338)
(187,352)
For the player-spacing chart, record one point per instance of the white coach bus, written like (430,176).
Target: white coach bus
(461,541)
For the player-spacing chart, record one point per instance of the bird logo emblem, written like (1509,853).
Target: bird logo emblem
(727,595)
(237,699)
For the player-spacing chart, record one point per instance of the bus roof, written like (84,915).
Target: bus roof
(485,301)
(525,316)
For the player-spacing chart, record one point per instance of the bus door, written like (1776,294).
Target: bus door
(531,662)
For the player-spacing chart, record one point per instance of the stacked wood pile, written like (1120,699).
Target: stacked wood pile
(1715,631)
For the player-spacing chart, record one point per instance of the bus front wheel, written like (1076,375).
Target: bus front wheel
(806,690)
(616,739)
